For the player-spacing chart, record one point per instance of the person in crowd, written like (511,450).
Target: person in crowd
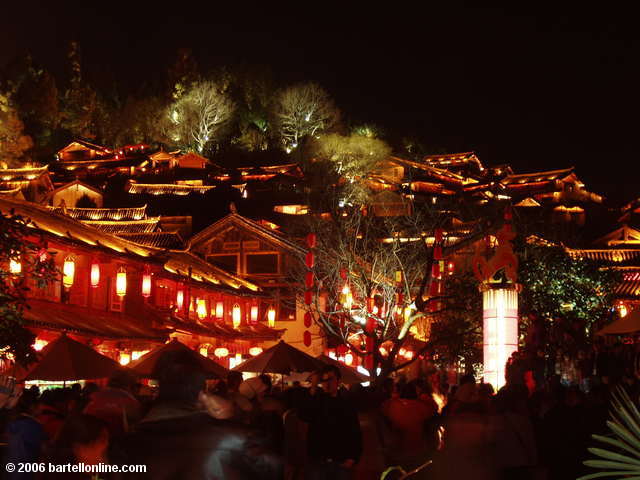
(82,439)
(375,434)
(334,436)
(52,411)
(242,404)
(26,435)
(408,417)
(116,404)
(177,439)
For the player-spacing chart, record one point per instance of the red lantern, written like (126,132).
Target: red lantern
(308,319)
(307,338)
(343,273)
(95,275)
(308,297)
(146,284)
(450,268)
(438,235)
(254,314)
(341,350)
(310,260)
(311,240)
(308,279)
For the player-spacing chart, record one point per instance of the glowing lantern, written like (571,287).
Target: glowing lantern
(95,275)
(271,317)
(409,355)
(124,358)
(308,297)
(308,279)
(201,308)
(68,272)
(236,315)
(204,351)
(306,338)
(450,268)
(146,284)
(135,355)
(180,299)
(622,309)
(383,351)
(254,314)
(311,240)
(121,282)
(402,352)
(254,351)
(221,352)
(346,297)
(219,310)
(348,359)
(309,260)
(238,358)
(500,332)
(15,267)
(39,344)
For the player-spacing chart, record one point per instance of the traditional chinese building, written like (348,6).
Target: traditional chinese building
(124,297)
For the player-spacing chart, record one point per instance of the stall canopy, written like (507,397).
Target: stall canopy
(66,359)
(145,366)
(349,375)
(630,323)
(282,358)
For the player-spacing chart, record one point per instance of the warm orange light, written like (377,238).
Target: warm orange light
(121,282)
(254,351)
(180,299)
(238,358)
(95,275)
(146,285)
(236,315)
(402,352)
(409,355)
(15,267)
(220,310)
(204,351)
(383,351)
(348,359)
(500,332)
(254,314)
(68,272)
(39,344)
(221,352)
(135,355)
(271,317)
(201,308)
(124,359)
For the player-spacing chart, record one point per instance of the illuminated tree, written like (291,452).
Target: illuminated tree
(13,141)
(375,287)
(200,117)
(35,262)
(301,111)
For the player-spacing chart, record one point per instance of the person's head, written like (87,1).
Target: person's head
(123,380)
(180,378)
(84,438)
(55,398)
(28,403)
(234,379)
(330,378)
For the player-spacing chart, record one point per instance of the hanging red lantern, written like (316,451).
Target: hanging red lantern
(310,260)
(95,274)
(180,299)
(343,273)
(308,319)
(311,240)
(308,297)
(307,338)
(146,284)
(308,279)
(450,268)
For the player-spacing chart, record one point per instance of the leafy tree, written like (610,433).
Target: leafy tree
(85,201)
(35,262)
(200,118)
(301,111)
(182,74)
(139,120)
(13,141)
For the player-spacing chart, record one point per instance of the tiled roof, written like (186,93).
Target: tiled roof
(147,225)
(19,174)
(537,176)
(116,214)
(171,240)
(166,188)
(617,255)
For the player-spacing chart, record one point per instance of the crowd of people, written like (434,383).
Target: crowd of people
(537,426)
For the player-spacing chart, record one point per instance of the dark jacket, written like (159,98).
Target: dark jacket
(334,429)
(176,441)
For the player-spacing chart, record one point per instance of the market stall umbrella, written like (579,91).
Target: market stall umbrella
(630,323)
(282,358)
(145,366)
(66,359)
(349,375)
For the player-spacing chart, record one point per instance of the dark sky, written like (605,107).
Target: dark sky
(537,86)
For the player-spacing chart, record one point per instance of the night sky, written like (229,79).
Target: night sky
(535,86)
